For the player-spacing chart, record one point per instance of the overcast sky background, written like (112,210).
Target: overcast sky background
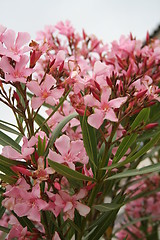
(107,19)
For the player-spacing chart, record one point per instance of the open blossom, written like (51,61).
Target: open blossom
(103,109)
(65,28)
(14,48)
(19,73)
(70,203)
(70,152)
(44,93)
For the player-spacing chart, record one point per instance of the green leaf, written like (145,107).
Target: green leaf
(135,172)
(7,141)
(7,179)
(44,127)
(105,207)
(129,140)
(142,151)
(8,129)
(4,229)
(9,162)
(89,140)
(56,132)
(69,173)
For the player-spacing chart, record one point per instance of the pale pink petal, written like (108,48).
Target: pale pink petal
(105,95)
(82,209)
(9,38)
(27,151)
(82,193)
(50,100)
(41,204)
(22,39)
(63,144)
(32,141)
(71,165)
(2,29)
(110,115)
(117,102)
(57,93)
(55,157)
(21,209)
(90,101)
(9,152)
(22,63)
(48,82)
(76,147)
(34,214)
(99,68)
(34,87)
(5,65)
(68,206)
(36,102)
(96,119)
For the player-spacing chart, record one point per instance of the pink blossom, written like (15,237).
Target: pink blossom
(14,48)
(70,152)
(104,109)
(72,202)
(19,73)
(44,92)
(65,28)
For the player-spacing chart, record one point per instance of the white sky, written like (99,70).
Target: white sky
(107,19)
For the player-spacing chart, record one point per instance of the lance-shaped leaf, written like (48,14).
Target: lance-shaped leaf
(135,172)
(142,151)
(129,140)
(7,141)
(105,207)
(89,140)
(68,172)
(56,132)
(8,129)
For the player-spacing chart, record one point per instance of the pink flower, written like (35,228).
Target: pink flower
(103,109)
(44,93)
(65,28)
(70,203)
(19,73)
(14,48)
(70,152)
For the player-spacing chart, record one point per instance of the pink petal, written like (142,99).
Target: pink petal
(90,101)
(57,93)
(34,214)
(82,209)
(99,68)
(105,95)
(82,193)
(34,87)
(71,165)
(110,115)
(116,103)
(50,100)
(9,38)
(36,102)
(32,141)
(21,209)
(63,144)
(22,39)
(5,65)
(48,82)
(9,152)
(68,206)
(22,63)
(76,147)
(96,119)
(55,157)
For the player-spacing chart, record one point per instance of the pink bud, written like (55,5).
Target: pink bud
(21,170)
(141,94)
(57,186)
(151,125)
(61,67)
(147,37)
(35,55)
(15,95)
(109,82)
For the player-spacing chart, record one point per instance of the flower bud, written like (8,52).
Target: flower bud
(151,125)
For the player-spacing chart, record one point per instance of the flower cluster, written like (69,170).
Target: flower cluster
(91,94)
(143,214)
